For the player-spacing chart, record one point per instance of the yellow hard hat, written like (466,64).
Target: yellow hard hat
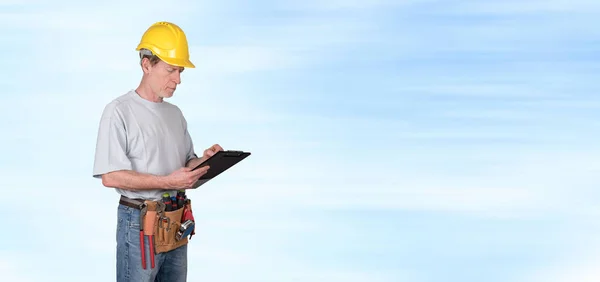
(167,41)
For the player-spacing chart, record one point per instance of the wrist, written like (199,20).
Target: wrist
(164,182)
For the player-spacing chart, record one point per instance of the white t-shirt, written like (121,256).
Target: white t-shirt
(144,136)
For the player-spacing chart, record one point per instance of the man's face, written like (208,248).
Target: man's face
(164,78)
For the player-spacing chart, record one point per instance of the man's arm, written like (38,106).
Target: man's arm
(132,180)
(183,178)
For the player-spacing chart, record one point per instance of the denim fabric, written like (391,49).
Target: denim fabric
(170,266)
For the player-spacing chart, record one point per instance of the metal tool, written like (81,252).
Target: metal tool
(149,223)
(160,207)
(189,216)
(161,222)
(185,229)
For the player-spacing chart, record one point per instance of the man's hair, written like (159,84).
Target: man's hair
(145,53)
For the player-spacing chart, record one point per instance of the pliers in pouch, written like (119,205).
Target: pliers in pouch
(142,246)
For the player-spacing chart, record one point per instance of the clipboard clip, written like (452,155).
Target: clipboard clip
(232,153)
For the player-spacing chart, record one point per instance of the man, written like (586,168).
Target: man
(144,150)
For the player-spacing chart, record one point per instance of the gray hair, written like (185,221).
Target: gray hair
(145,53)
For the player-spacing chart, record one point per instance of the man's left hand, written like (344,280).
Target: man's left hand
(211,151)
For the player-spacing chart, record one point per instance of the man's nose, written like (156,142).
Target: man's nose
(177,77)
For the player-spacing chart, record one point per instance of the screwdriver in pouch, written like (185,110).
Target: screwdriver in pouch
(166,198)
(174,203)
(180,198)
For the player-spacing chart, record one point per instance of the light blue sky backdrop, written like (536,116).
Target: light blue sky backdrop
(413,141)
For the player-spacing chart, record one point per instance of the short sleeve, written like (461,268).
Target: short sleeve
(189,144)
(111,143)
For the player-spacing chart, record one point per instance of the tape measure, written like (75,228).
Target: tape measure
(185,229)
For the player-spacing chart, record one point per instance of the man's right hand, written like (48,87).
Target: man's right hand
(185,178)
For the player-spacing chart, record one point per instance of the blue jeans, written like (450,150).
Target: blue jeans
(169,266)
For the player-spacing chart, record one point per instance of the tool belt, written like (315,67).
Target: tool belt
(167,223)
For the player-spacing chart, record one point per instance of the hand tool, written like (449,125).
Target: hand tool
(189,216)
(174,206)
(162,207)
(161,222)
(185,229)
(180,198)
(166,198)
(149,223)
(142,247)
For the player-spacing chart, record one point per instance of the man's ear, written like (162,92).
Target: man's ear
(146,66)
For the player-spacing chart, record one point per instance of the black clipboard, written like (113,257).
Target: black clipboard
(220,162)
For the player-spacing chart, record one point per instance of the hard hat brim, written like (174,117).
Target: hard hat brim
(178,63)
(186,63)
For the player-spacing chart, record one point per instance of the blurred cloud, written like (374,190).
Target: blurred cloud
(515,8)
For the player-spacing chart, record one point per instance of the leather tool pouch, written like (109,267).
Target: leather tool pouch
(150,218)
(168,223)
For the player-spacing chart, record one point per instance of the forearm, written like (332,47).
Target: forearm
(132,180)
